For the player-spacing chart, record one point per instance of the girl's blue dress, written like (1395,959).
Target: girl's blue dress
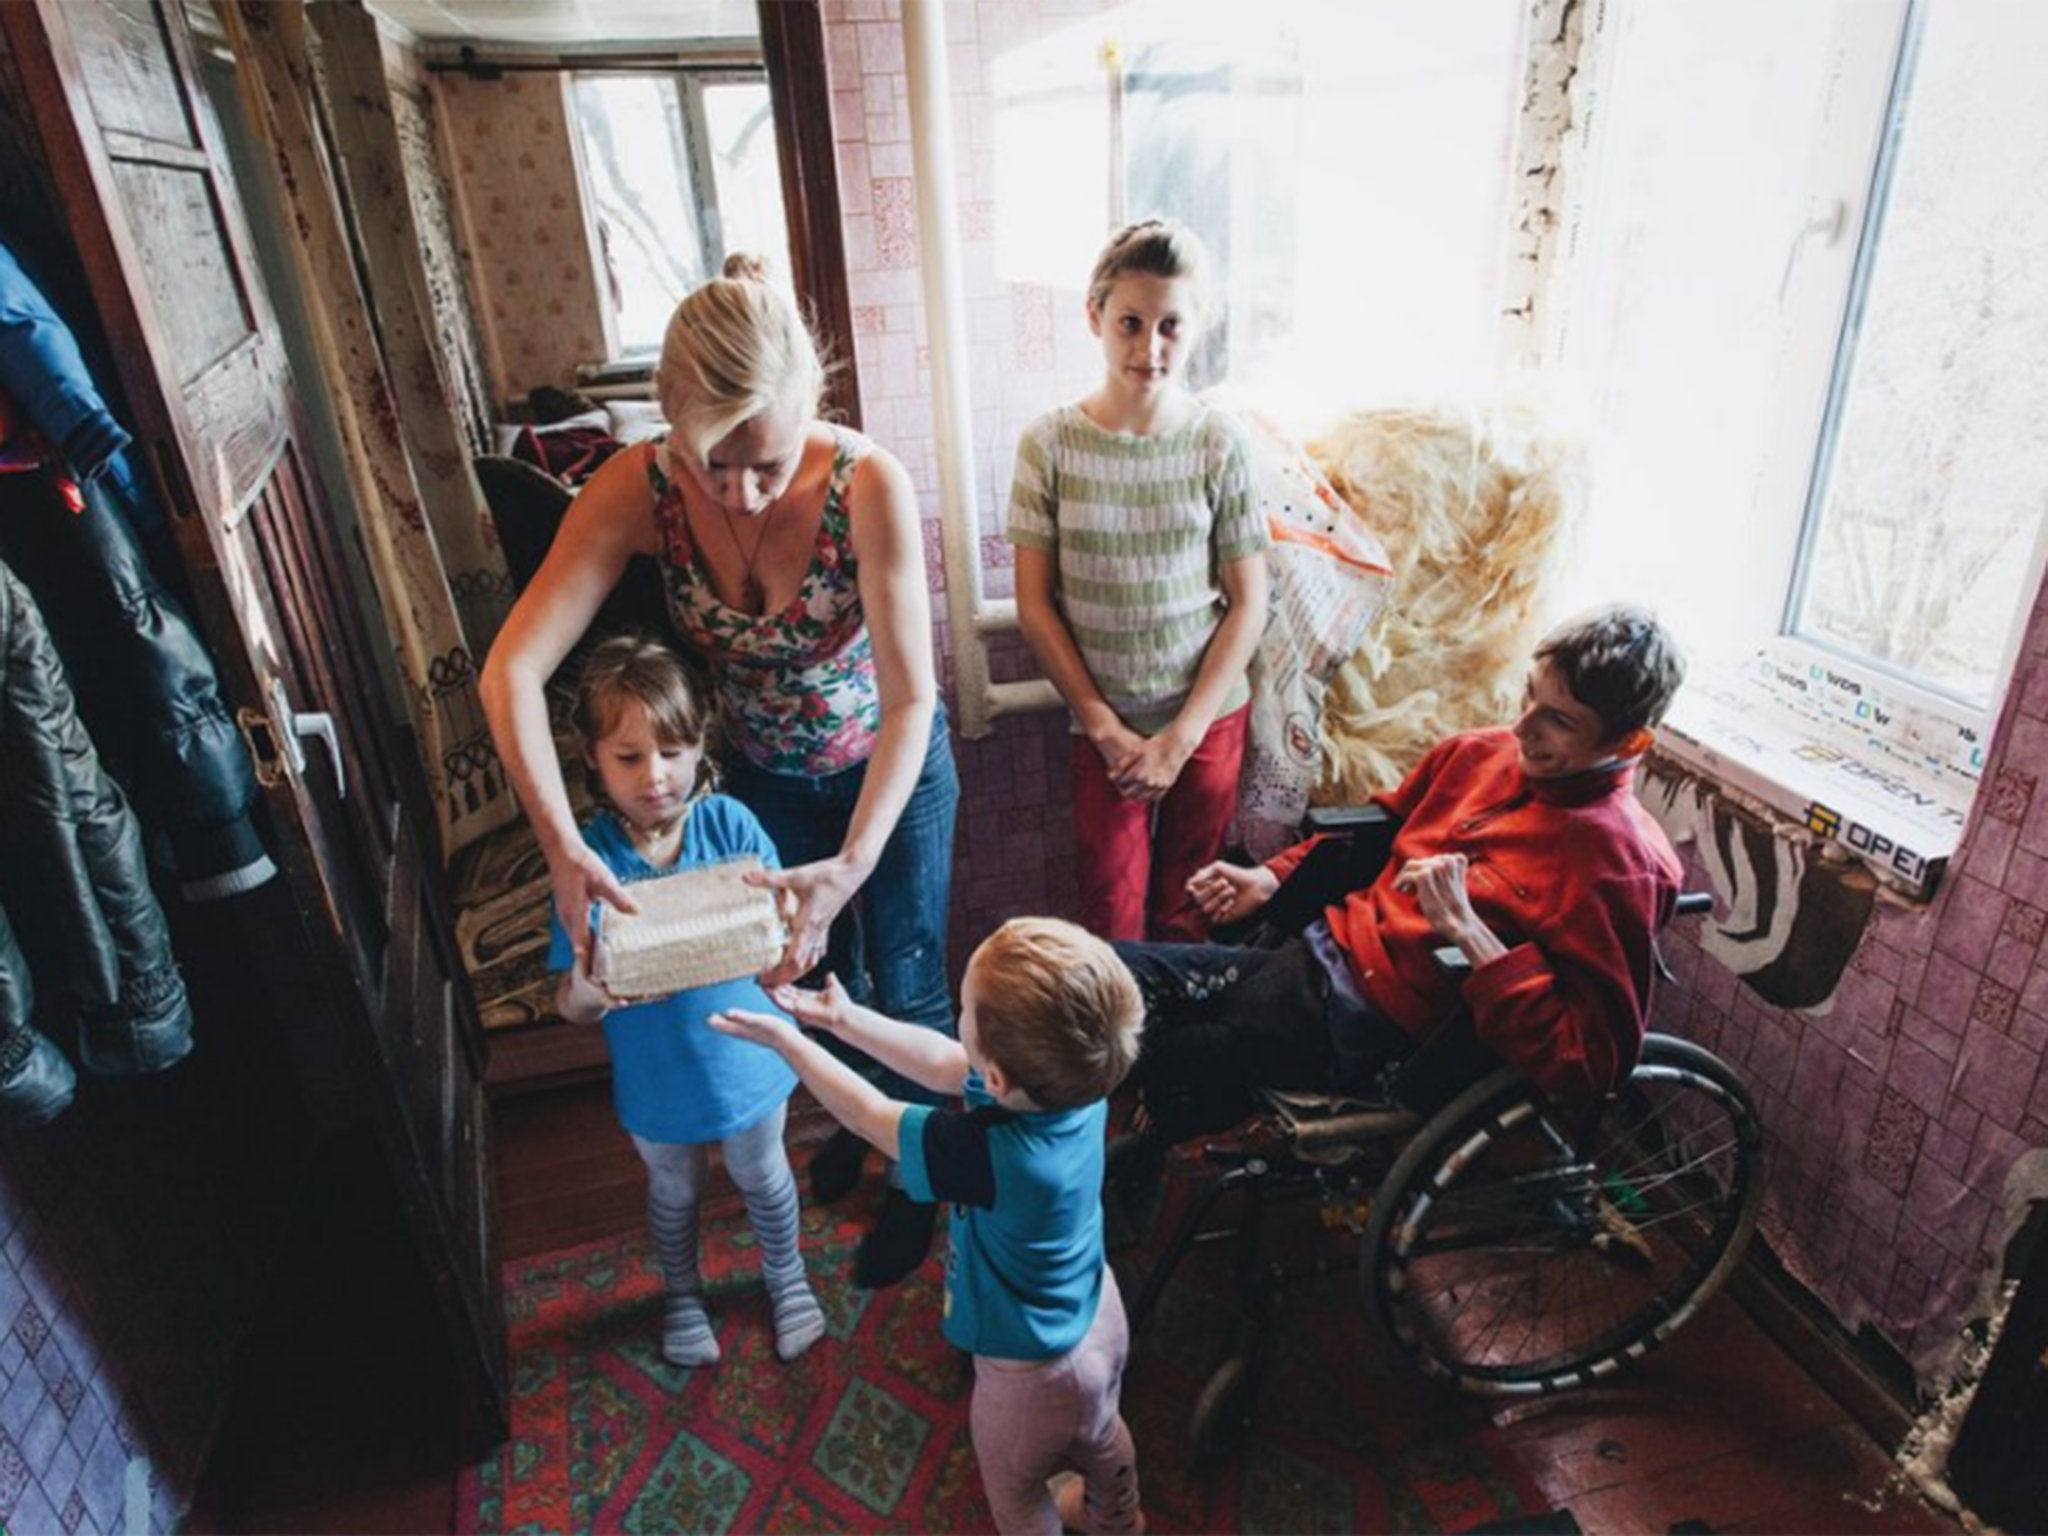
(674,1077)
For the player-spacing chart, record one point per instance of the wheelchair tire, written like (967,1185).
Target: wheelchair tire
(1522,1247)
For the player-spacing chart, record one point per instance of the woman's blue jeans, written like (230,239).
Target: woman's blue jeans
(888,947)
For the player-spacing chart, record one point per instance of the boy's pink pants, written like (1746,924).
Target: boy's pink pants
(1132,861)
(1033,1420)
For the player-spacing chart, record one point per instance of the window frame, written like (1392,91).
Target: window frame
(1825,442)
(688,80)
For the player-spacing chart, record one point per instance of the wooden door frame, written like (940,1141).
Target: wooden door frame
(800,94)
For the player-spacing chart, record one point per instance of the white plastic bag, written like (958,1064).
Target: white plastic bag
(1330,578)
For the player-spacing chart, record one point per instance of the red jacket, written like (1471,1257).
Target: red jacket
(1571,874)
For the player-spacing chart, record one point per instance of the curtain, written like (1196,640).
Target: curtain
(431,555)
(382,216)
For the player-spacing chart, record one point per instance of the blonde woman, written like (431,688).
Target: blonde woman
(792,563)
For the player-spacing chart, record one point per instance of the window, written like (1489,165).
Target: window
(1807,337)
(678,170)
(1925,515)
(1331,156)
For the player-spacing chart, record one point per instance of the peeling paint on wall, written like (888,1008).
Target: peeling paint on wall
(1547,151)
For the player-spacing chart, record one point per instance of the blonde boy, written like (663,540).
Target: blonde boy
(1049,1023)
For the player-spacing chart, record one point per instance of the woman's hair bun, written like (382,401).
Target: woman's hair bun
(745,267)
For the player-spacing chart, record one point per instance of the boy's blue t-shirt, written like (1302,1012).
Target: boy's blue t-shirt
(1024,1274)
(674,1077)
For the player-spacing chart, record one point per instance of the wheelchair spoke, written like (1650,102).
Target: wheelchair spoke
(1533,1246)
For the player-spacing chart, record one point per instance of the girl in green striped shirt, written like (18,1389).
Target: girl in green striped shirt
(1141,587)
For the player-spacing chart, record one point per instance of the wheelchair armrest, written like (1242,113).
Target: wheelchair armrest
(1345,818)
(1357,841)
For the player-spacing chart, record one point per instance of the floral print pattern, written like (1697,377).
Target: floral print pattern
(798,686)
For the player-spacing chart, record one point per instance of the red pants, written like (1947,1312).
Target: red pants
(1133,860)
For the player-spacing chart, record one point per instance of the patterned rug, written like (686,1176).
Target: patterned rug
(869,1431)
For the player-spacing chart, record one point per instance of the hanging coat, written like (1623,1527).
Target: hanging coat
(74,884)
(145,681)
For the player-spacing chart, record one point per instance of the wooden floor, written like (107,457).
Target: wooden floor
(1721,1432)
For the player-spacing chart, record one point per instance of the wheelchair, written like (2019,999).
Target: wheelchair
(1510,1244)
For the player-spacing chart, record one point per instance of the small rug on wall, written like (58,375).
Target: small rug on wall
(869,1431)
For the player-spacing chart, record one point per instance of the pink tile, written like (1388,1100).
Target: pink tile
(1939,1205)
(1875,958)
(1995,1074)
(1031,349)
(2034,990)
(2026,878)
(1948,1146)
(1971,914)
(881,49)
(2011,791)
(1919,1075)
(1993,1004)
(1892,1142)
(1993,1151)
(2024,921)
(2012,962)
(1947,990)
(1913,966)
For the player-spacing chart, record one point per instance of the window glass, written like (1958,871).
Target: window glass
(1685,261)
(740,131)
(642,204)
(1935,474)
(678,169)
(1347,165)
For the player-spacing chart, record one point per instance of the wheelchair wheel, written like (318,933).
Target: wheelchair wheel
(1520,1246)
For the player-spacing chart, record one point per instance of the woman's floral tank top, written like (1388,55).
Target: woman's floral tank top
(797,687)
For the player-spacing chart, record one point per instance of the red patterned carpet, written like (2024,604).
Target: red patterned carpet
(869,1431)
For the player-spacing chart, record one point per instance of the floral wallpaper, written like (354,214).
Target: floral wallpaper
(521,228)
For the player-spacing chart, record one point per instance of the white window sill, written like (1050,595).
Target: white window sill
(1845,754)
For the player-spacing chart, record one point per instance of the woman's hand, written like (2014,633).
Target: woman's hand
(580,878)
(821,890)
(1154,768)
(827,1008)
(1226,893)
(767,1029)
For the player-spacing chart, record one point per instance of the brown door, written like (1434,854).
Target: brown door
(362,951)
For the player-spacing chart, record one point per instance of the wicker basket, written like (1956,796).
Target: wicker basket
(695,928)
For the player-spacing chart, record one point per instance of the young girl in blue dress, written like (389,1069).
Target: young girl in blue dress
(677,1085)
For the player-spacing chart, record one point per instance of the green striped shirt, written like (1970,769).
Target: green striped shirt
(1140,529)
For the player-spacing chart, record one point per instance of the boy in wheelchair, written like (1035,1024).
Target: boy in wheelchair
(1524,848)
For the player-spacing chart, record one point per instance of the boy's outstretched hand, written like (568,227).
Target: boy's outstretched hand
(827,1008)
(769,1029)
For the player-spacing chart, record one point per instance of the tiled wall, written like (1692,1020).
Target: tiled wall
(1894,1117)
(1897,1115)
(1028,349)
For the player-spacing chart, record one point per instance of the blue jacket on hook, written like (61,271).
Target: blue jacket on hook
(146,686)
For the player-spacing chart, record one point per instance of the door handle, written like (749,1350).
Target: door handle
(1826,224)
(291,725)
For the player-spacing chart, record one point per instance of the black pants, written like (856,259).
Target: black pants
(1222,1020)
